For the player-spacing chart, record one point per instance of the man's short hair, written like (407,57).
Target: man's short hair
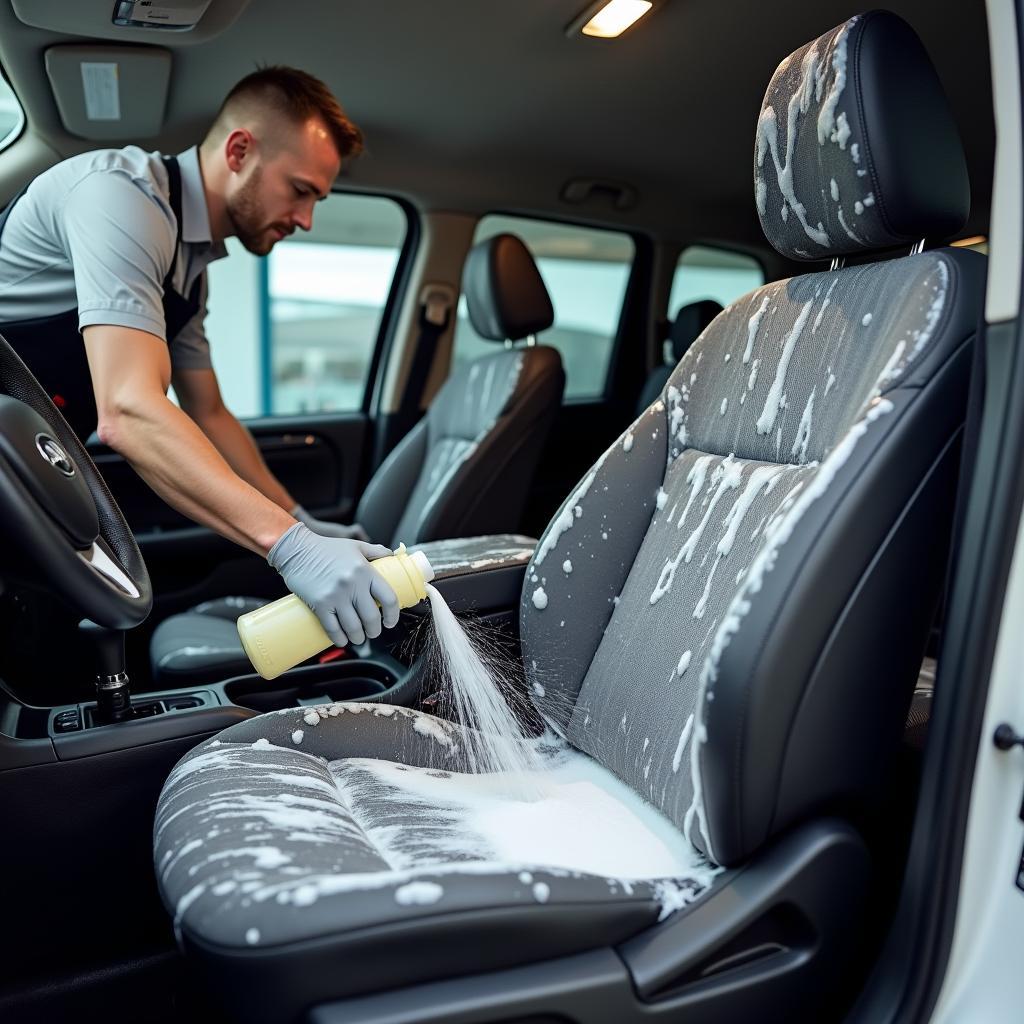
(297,96)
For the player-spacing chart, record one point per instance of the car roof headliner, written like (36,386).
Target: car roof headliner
(480,106)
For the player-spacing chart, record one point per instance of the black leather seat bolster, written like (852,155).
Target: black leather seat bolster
(383,501)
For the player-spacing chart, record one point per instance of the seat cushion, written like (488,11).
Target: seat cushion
(201,645)
(313,825)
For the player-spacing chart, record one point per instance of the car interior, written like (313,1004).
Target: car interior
(664,348)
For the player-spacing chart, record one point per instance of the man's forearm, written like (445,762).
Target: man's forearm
(242,454)
(169,451)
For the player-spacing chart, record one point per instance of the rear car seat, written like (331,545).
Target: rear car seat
(687,327)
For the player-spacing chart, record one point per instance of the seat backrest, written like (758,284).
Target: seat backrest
(730,609)
(465,469)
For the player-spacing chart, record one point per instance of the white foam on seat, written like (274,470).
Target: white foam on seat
(584,819)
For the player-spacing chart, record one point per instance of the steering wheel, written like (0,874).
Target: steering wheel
(63,529)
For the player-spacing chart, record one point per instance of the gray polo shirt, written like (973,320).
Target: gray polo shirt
(96,232)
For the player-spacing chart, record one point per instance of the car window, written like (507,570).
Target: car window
(295,333)
(703,272)
(586,271)
(12,118)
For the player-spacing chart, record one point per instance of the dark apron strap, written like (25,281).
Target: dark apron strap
(178,309)
(174,198)
(52,346)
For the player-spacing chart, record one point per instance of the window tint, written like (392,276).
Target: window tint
(586,272)
(11,116)
(706,273)
(295,332)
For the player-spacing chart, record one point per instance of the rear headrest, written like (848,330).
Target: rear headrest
(856,146)
(689,324)
(504,290)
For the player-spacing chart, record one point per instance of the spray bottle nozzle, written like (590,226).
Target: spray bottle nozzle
(420,561)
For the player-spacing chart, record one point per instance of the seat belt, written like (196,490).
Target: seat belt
(435,309)
(435,313)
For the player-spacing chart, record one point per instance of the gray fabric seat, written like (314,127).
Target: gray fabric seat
(726,616)
(464,470)
(329,808)
(684,330)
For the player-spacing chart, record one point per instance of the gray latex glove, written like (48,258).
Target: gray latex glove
(333,577)
(328,529)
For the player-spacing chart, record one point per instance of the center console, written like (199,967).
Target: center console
(478,575)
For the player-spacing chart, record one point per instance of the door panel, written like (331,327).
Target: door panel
(317,458)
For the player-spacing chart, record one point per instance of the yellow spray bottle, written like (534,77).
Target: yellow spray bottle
(285,632)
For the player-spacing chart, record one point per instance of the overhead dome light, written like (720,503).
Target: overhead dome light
(609,18)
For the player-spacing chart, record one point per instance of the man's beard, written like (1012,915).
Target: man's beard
(247,217)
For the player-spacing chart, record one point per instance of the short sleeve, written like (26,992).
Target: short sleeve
(190,349)
(120,241)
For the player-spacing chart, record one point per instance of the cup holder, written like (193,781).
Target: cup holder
(315,684)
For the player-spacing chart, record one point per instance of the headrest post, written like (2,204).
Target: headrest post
(508,343)
(838,262)
(531,340)
(917,247)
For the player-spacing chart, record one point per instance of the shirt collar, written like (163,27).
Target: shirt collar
(195,218)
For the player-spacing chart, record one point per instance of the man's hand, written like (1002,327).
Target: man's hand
(328,529)
(334,578)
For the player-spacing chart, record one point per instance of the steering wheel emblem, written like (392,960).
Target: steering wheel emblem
(54,454)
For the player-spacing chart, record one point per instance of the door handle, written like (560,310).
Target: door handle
(288,442)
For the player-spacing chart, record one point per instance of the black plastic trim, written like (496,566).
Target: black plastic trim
(792,885)
(383,425)
(594,984)
(911,970)
(106,739)
(490,590)
(817,874)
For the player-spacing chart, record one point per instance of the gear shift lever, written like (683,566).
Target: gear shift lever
(113,696)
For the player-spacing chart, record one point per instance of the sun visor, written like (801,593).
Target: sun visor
(110,92)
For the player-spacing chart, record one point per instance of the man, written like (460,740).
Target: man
(103,272)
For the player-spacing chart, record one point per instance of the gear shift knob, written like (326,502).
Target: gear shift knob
(113,696)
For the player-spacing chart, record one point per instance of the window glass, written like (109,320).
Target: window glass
(706,273)
(11,116)
(295,333)
(586,271)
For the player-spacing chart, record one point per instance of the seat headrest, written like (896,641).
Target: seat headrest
(504,290)
(689,324)
(856,145)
